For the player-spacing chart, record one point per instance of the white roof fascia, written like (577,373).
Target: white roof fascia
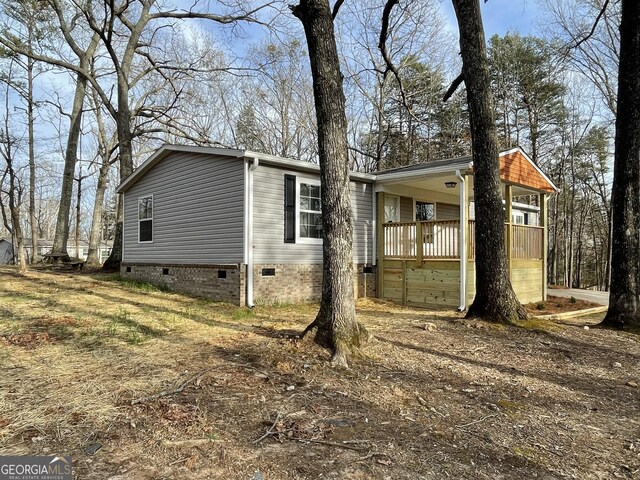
(388,177)
(524,206)
(299,165)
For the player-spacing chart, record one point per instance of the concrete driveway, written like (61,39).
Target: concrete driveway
(590,295)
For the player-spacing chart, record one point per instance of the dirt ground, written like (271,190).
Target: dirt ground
(460,400)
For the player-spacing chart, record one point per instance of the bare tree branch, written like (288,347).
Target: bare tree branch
(336,8)
(594,26)
(453,87)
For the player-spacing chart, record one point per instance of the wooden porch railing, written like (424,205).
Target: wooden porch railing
(400,240)
(526,242)
(440,239)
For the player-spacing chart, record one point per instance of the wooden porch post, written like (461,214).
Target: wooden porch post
(419,244)
(544,224)
(380,245)
(509,234)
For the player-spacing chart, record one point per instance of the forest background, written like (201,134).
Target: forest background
(73,84)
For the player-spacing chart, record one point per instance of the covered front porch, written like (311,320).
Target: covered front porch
(426,224)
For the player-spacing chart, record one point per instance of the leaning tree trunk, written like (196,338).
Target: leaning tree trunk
(125,157)
(95,235)
(625,201)
(495,299)
(71,155)
(336,325)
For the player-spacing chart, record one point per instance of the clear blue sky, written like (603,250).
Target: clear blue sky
(501,16)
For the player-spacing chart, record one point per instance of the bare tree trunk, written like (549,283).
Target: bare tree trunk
(495,299)
(14,192)
(33,221)
(70,157)
(61,235)
(95,235)
(104,148)
(336,324)
(571,216)
(556,234)
(625,195)
(17,232)
(125,154)
(607,272)
(78,212)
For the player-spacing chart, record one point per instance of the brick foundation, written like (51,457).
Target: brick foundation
(300,283)
(199,280)
(289,284)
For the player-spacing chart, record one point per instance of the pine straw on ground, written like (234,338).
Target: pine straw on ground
(559,305)
(461,399)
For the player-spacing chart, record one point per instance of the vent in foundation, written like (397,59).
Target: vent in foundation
(165,271)
(268,272)
(222,274)
(128,269)
(368,269)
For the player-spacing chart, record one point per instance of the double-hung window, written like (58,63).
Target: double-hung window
(145,219)
(302,210)
(309,211)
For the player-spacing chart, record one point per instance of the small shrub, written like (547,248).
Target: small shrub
(540,306)
(572,300)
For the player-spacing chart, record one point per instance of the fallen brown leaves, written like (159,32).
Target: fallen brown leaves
(461,400)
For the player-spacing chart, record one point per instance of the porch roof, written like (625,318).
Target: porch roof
(516,168)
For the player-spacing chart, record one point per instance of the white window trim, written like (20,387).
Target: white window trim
(397,201)
(416,200)
(152,215)
(299,239)
(515,215)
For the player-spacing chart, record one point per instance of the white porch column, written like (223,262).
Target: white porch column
(380,245)
(462,242)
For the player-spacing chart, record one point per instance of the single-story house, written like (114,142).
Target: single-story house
(244,227)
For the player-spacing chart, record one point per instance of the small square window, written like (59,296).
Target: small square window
(368,269)
(165,271)
(268,272)
(128,269)
(222,274)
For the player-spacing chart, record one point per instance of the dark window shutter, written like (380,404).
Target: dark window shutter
(289,209)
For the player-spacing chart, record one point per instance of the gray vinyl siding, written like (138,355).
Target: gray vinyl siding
(198,211)
(406,209)
(6,252)
(447,211)
(268,221)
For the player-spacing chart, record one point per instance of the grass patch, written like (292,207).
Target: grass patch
(133,284)
(241,313)
(540,325)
